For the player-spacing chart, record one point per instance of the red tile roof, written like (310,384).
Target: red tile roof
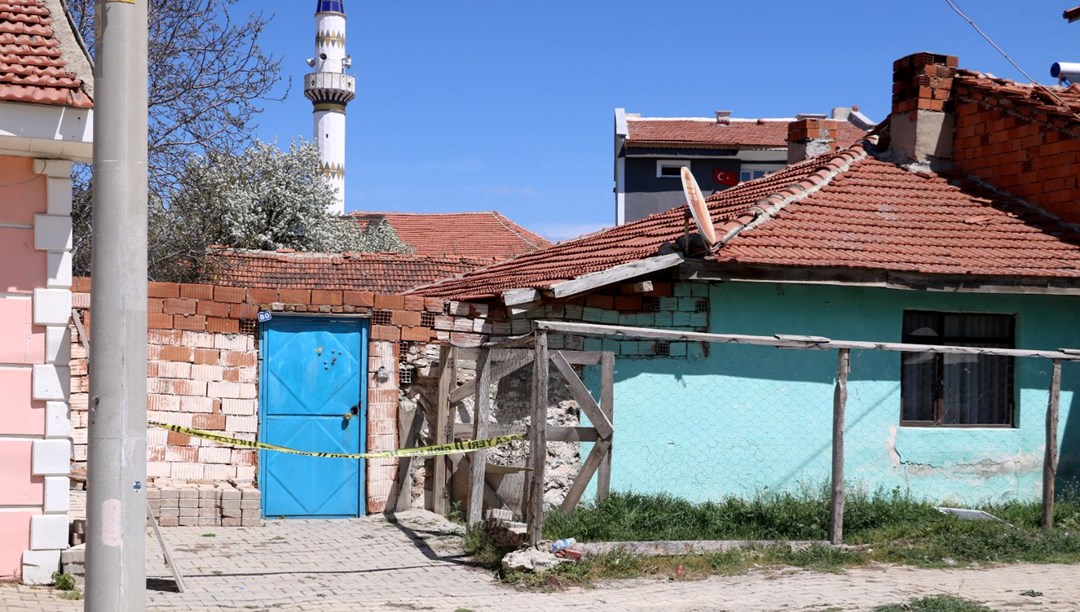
(32,67)
(478,235)
(380,272)
(842,210)
(737,133)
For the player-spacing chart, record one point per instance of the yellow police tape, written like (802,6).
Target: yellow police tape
(423,451)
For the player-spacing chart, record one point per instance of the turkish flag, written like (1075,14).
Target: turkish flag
(724,177)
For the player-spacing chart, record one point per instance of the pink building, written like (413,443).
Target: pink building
(45,124)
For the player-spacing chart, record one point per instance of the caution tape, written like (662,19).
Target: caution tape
(423,451)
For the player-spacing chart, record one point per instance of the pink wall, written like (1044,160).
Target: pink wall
(21,191)
(17,486)
(15,536)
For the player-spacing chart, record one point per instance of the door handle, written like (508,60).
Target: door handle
(354,411)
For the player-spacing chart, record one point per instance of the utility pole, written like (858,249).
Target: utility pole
(116,462)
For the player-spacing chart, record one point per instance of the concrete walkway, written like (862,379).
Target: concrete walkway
(417,564)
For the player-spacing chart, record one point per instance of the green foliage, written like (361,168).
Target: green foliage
(63,582)
(263,199)
(936,603)
(73,595)
(480,546)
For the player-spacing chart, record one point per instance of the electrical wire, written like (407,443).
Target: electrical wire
(1009,59)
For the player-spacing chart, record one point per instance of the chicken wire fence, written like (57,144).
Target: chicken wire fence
(707,417)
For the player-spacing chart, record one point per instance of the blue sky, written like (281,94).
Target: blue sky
(504,105)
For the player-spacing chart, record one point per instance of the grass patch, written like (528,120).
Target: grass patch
(72,595)
(63,582)
(883,528)
(936,603)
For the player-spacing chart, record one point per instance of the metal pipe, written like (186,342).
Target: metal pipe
(116,462)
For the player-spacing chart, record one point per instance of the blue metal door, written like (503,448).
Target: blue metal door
(313,393)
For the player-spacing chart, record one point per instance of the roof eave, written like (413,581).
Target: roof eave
(703,270)
(46,131)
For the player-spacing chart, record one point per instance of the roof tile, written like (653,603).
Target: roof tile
(32,68)
(478,235)
(735,133)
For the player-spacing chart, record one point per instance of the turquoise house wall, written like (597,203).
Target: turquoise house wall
(747,420)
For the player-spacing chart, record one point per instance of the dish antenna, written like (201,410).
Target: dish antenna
(698,209)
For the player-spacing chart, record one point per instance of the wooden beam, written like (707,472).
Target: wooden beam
(686,336)
(607,406)
(442,416)
(409,425)
(499,371)
(481,413)
(554,433)
(581,395)
(573,357)
(615,274)
(1050,460)
(836,505)
(513,297)
(577,489)
(538,440)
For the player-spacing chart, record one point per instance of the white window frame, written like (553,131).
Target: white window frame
(671,163)
(751,168)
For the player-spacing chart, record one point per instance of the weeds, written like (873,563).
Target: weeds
(936,603)
(63,582)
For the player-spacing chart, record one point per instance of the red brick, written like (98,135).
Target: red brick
(212,309)
(176,353)
(158,320)
(628,303)
(179,306)
(222,326)
(416,334)
(385,332)
(238,358)
(191,322)
(325,297)
(433,304)
(414,302)
(205,356)
(389,302)
(208,421)
(404,318)
(604,302)
(233,295)
(198,292)
(359,298)
(81,284)
(178,439)
(244,311)
(261,296)
(154,305)
(295,296)
(163,290)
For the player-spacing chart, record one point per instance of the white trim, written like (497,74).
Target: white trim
(620,190)
(25,226)
(34,509)
(671,163)
(45,131)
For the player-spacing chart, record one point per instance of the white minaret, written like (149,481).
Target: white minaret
(329,90)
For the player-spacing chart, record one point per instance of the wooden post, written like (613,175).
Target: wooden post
(481,412)
(607,406)
(409,424)
(836,509)
(538,439)
(1050,460)
(442,414)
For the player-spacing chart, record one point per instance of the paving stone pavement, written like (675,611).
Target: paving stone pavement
(416,563)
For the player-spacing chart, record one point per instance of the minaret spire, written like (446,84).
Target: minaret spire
(330,90)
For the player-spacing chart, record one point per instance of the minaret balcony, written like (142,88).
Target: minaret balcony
(330,87)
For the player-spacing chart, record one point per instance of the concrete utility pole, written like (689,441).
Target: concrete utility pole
(116,462)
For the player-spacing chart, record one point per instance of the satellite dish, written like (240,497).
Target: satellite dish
(698,209)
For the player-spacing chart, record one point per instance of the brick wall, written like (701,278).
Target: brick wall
(1019,154)
(202,372)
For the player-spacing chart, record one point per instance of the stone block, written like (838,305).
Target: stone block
(49,532)
(52,232)
(189,521)
(57,493)
(251,493)
(51,457)
(189,512)
(209,521)
(230,522)
(38,566)
(231,512)
(251,522)
(168,521)
(51,382)
(250,504)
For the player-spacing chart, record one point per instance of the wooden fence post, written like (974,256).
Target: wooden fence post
(481,412)
(442,414)
(1050,460)
(538,438)
(836,507)
(607,406)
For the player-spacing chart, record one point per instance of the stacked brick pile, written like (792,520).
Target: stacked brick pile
(220,505)
(503,530)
